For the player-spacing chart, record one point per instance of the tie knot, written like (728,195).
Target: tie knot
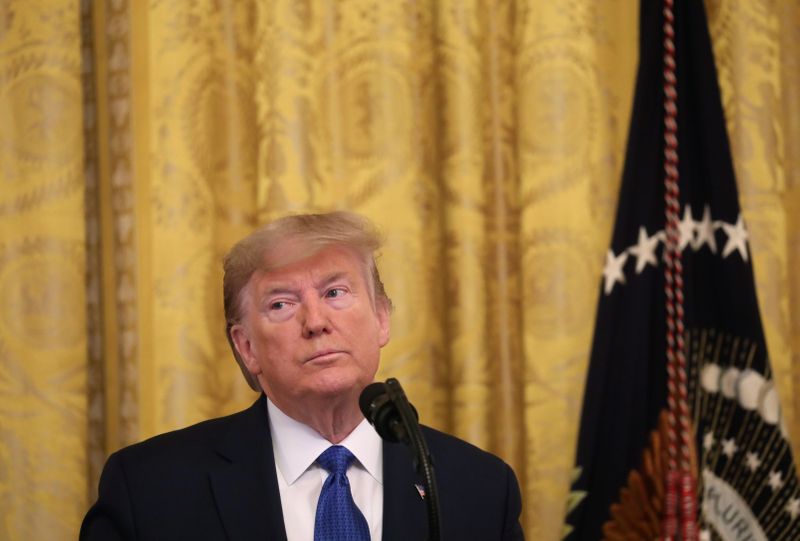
(336,459)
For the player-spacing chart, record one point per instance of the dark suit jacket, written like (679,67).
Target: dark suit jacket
(216,481)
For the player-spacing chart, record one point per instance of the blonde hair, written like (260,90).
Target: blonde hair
(265,249)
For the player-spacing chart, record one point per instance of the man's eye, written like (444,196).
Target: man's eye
(335,292)
(277,305)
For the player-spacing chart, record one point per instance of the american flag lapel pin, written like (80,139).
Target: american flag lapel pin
(420,490)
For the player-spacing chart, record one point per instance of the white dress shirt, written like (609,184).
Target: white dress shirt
(296,448)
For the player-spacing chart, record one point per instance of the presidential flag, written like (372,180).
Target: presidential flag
(690,278)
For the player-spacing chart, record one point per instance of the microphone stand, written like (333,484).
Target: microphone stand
(423,462)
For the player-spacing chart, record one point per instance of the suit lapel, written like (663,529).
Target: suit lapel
(245,484)
(404,512)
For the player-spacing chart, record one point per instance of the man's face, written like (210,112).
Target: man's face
(311,330)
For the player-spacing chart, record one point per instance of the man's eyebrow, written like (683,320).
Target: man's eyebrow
(279,289)
(286,289)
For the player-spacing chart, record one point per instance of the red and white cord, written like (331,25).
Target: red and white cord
(680,495)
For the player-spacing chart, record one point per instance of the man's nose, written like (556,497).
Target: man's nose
(315,318)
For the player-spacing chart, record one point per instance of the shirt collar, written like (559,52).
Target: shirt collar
(296,446)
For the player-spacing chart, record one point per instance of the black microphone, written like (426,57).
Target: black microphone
(386,407)
(381,411)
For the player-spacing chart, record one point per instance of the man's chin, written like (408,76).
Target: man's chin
(333,383)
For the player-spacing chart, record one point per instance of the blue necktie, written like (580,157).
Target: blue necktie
(338,518)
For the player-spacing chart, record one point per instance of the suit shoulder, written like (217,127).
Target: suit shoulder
(458,452)
(183,442)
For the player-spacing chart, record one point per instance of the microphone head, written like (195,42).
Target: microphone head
(381,412)
(367,399)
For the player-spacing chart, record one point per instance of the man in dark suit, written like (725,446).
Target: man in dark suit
(306,316)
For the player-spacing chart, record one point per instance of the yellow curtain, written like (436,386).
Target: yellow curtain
(43,301)
(139,140)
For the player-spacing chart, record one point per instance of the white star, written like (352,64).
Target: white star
(737,238)
(645,250)
(793,507)
(705,535)
(613,270)
(753,462)
(775,480)
(708,441)
(705,232)
(686,228)
(729,448)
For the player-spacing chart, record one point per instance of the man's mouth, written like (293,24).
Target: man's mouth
(324,355)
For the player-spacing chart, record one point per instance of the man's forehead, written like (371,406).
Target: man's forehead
(322,263)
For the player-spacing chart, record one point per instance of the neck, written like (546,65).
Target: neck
(334,419)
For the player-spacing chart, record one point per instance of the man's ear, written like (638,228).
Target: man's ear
(244,346)
(384,322)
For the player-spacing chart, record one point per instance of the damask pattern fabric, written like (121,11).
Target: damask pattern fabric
(139,140)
